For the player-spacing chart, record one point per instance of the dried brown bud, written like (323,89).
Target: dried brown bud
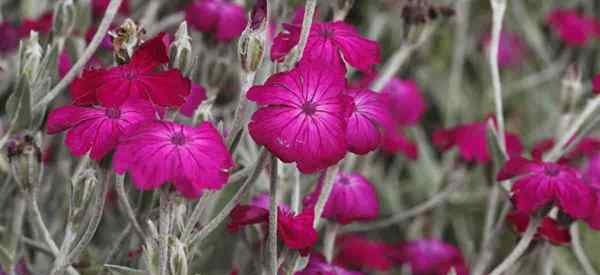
(25,158)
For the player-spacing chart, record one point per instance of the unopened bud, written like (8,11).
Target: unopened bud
(82,187)
(25,158)
(252,41)
(63,19)
(178,259)
(181,48)
(126,38)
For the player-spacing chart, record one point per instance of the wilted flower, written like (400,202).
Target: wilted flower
(138,79)
(193,101)
(472,141)
(318,266)
(550,229)
(190,158)
(302,116)
(352,198)
(573,28)
(511,49)
(430,257)
(97,129)
(361,253)
(328,43)
(540,184)
(405,101)
(227,20)
(295,230)
(369,116)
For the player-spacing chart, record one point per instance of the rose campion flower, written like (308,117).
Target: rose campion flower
(227,20)
(8,37)
(99,7)
(587,147)
(405,101)
(295,230)
(318,266)
(190,158)
(328,42)
(64,64)
(549,229)
(511,50)
(97,129)
(539,184)
(302,116)
(138,79)
(369,116)
(353,198)
(472,141)
(193,101)
(360,253)
(573,28)
(430,257)
(43,24)
(395,140)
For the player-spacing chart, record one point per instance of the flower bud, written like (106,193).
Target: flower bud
(25,158)
(251,45)
(181,48)
(82,187)
(178,258)
(63,19)
(126,38)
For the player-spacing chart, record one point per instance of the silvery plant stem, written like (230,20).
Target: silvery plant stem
(582,258)
(498,9)
(164,225)
(520,248)
(273,264)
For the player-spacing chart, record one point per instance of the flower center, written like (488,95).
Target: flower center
(178,138)
(113,113)
(327,32)
(309,108)
(129,74)
(345,181)
(551,171)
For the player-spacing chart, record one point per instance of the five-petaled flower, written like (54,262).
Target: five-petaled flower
(368,119)
(191,158)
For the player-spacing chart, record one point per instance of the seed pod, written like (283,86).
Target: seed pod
(25,158)
(252,41)
(63,19)
(181,49)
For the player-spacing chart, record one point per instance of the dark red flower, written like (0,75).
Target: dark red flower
(138,79)
(430,257)
(43,24)
(360,253)
(318,266)
(549,229)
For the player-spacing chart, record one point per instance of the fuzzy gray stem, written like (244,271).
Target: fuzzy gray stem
(498,9)
(331,172)
(331,232)
(124,199)
(309,13)
(196,215)
(582,258)
(109,15)
(520,248)
(164,225)
(273,218)
(242,112)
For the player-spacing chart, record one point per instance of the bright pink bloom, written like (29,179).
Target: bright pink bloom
(328,43)
(193,101)
(352,198)
(360,253)
(369,116)
(43,24)
(64,64)
(97,129)
(596,84)
(111,87)
(431,257)
(472,141)
(302,116)
(511,50)
(573,28)
(296,231)
(395,141)
(190,158)
(549,229)
(318,266)
(542,183)
(227,20)
(592,178)
(405,101)
(8,37)
(99,6)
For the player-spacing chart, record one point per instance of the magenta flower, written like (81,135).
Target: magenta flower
(587,147)
(543,183)
(360,253)
(511,50)
(227,20)
(8,37)
(64,64)
(263,200)
(138,79)
(97,129)
(431,257)
(302,116)
(405,101)
(472,141)
(395,141)
(318,266)
(369,116)
(549,229)
(193,101)
(190,158)
(591,176)
(352,198)
(573,28)
(296,231)
(43,24)
(595,83)
(328,43)
(99,6)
